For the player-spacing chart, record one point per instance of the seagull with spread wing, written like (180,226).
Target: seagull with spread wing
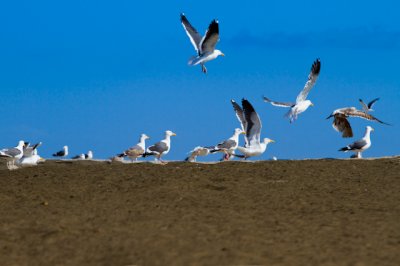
(251,124)
(342,124)
(301,103)
(368,107)
(204,46)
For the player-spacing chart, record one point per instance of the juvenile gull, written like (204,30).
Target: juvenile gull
(136,151)
(229,146)
(301,103)
(13,154)
(204,46)
(368,107)
(62,153)
(198,151)
(160,148)
(360,145)
(251,124)
(341,123)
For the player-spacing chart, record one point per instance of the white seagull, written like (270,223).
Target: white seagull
(89,155)
(30,156)
(251,124)
(341,123)
(62,153)
(368,107)
(136,151)
(79,157)
(13,154)
(360,145)
(204,46)
(160,148)
(229,146)
(301,103)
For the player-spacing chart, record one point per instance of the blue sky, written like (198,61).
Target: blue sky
(95,74)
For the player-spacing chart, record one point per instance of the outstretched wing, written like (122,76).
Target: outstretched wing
(341,124)
(193,34)
(358,113)
(210,39)
(280,104)
(372,103)
(312,78)
(239,114)
(364,106)
(254,125)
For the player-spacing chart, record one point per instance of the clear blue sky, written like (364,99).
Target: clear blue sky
(97,74)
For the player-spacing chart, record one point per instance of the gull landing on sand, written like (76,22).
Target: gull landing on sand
(160,148)
(204,46)
(360,145)
(251,124)
(229,146)
(301,103)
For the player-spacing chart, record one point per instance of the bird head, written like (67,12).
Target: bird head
(239,131)
(169,133)
(219,52)
(144,136)
(268,140)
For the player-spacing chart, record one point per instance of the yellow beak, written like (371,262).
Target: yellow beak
(271,140)
(222,54)
(173,134)
(244,133)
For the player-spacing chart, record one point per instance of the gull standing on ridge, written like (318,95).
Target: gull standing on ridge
(79,157)
(136,151)
(62,153)
(204,46)
(341,123)
(13,154)
(160,148)
(360,145)
(251,124)
(368,107)
(301,103)
(89,155)
(229,146)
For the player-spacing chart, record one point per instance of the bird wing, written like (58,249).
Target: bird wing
(134,151)
(239,114)
(194,36)
(372,103)
(312,78)
(341,124)
(280,104)
(227,144)
(254,125)
(364,106)
(159,147)
(210,39)
(358,113)
(358,144)
(11,152)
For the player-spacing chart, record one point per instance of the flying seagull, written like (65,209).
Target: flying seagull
(160,148)
(301,103)
(368,107)
(62,153)
(13,154)
(229,146)
(198,151)
(360,145)
(341,123)
(204,46)
(136,151)
(251,124)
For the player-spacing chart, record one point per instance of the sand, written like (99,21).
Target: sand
(311,212)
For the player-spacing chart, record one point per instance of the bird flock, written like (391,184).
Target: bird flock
(250,123)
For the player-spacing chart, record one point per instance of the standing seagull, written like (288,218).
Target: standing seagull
(30,156)
(160,148)
(341,123)
(229,146)
(89,155)
(62,153)
(136,151)
(204,46)
(301,103)
(13,154)
(251,124)
(360,145)
(368,107)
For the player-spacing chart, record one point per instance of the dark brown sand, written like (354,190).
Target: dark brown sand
(315,212)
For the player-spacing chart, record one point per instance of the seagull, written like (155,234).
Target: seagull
(160,148)
(30,154)
(229,146)
(360,145)
(89,155)
(136,151)
(79,157)
(13,154)
(198,151)
(301,103)
(341,123)
(62,153)
(368,107)
(204,46)
(251,124)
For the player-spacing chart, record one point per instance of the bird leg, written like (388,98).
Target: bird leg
(203,69)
